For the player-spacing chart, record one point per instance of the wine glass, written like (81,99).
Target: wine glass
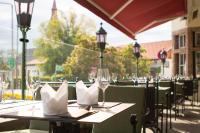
(91,77)
(114,77)
(2,91)
(34,90)
(103,77)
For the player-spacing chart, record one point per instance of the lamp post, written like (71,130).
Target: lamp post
(101,42)
(136,52)
(24,10)
(163,56)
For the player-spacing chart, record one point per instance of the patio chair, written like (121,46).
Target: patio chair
(121,122)
(150,119)
(179,97)
(125,82)
(195,90)
(188,90)
(166,99)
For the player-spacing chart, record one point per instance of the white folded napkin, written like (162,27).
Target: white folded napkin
(87,96)
(54,102)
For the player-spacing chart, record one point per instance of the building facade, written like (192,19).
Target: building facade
(151,53)
(186,42)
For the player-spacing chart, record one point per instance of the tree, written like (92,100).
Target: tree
(82,59)
(113,61)
(85,57)
(50,47)
(129,61)
(58,39)
(3,64)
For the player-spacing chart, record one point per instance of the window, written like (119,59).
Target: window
(197,38)
(181,41)
(195,14)
(197,64)
(182,64)
(176,42)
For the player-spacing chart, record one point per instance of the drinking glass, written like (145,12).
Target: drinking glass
(114,77)
(91,77)
(2,91)
(34,90)
(0,95)
(103,77)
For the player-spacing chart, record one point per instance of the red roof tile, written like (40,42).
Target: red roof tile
(152,48)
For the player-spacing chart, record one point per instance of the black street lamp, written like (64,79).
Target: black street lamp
(163,56)
(24,10)
(136,52)
(101,42)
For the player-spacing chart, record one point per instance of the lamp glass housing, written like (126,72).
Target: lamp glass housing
(136,50)
(101,36)
(24,10)
(163,55)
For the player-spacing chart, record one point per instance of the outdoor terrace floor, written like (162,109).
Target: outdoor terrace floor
(186,122)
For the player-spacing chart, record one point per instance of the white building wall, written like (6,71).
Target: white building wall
(167,68)
(178,24)
(193,5)
(33,71)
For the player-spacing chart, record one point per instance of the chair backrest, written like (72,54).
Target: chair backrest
(124,82)
(150,101)
(165,83)
(71,92)
(195,84)
(169,83)
(121,122)
(179,88)
(188,88)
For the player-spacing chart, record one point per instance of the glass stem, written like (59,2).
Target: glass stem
(12,94)
(3,95)
(103,97)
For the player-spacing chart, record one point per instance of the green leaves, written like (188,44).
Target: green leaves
(71,44)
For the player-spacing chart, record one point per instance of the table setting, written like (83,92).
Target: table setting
(55,106)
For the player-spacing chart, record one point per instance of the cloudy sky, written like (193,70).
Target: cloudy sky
(42,13)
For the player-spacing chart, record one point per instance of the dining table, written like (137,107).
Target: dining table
(76,116)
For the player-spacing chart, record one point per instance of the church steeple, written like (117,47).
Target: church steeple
(54,10)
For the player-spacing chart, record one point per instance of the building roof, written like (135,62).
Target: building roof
(152,48)
(54,5)
(54,11)
(35,62)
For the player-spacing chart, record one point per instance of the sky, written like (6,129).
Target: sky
(42,13)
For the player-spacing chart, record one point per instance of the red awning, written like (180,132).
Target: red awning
(135,16)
